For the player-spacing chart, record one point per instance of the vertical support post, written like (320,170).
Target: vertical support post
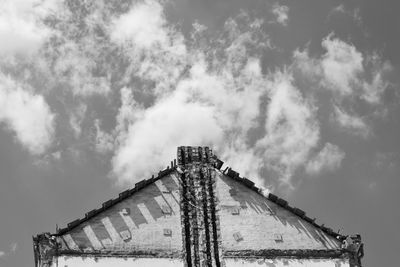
(200,221)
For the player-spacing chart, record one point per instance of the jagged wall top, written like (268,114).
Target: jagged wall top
(192,154)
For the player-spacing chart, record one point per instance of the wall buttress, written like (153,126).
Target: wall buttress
(198,203)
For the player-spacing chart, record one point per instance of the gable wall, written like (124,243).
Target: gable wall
(260,222)
(164,262)
(145,224)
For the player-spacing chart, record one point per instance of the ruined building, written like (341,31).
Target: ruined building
(196,215)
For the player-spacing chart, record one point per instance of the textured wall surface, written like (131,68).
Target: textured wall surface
(116,262)
(165,262)
(249,221)
(194,215)
(287,262)
(148,221)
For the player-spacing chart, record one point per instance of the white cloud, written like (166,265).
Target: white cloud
(352,124)
(27,115)
(76,117)
(153,47)
(307,66)
(2,254)
(281,13)
(292,130)
(351,76)
(373,89)
(341,65)
(217,100)
(21,29)
(328,159)
(130,27)
(199,100)
(345,71)
(104,142)
(75,65)
(354,14)
(202,90)
(152,139)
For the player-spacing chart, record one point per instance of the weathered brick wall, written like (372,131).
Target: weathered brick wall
(148,222)
(249,221)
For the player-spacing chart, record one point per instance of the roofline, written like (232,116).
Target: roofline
(281,202)
(122,196)
(228,172)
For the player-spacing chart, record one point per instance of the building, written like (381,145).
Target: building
(194,214)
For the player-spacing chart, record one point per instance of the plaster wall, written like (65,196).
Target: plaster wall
(75,261)
(281,262)
(148,221)
(68,261)
(270,227)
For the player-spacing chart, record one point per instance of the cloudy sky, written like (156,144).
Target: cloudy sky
(301,97)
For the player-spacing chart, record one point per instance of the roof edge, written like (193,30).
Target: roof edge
(282,202)
(122,196)
(228,172)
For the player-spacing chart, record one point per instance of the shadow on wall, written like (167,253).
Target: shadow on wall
(142,209)
(261,205)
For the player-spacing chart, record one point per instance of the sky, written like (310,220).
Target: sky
(302,97)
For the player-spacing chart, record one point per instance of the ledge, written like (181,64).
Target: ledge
(298,253)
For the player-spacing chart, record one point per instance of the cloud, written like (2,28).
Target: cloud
(21,28)
(345,71)
(163,87)
(328,159)
(217,95)
(76,56)
(199,99)
(341,65)
(292,130)
(77,66)
(2,254)
(374,88)
(27,115)
(76,117)
(153,47)
(352,78)
(281,13)
(104,142)
(154,137)
(129,27)
(352,124)
(341,9)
